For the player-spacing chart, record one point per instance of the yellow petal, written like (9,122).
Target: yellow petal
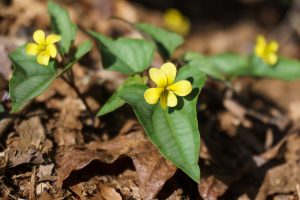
(158,77)
(152,95)
(39,37)
(170,70)
(172,99)
(164,99)
(43,58)
(33,49)
(181,88)
(52,38)
(272,59)
(260,46)
(52,50)
(272,47)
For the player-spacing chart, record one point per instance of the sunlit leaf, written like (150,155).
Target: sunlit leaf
(115,102)
(29,79)
(167,42)
(174,131)
(62,25)
(125,55)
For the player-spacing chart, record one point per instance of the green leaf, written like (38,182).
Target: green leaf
(174,131)
(62,25)
(81,50)
(29,79)
(231,64)
(125,55)
(166,41)
(203,63)
(285,69)
(115,102)
(2,109)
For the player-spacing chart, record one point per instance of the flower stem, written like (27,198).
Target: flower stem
(70,81)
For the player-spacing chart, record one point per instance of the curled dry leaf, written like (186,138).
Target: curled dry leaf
(280,180)
(31,156)
(152,169)
(211,188)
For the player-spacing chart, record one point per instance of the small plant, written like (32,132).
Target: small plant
(171,124)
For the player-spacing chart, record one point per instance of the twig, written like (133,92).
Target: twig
(32,183)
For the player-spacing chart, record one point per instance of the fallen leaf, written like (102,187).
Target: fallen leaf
(31,156)
(31,132)
(211,188)
(280,180)
(77,159)
(94,190)
(152,169)
(44,172)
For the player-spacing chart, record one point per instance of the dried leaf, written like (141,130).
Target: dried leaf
(211,188)
(32,156)
(152,169)
(77,159)
(32,133)
(45,172)
(280,180)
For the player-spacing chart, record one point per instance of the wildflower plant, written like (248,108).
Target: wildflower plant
(168,110)
(34,71)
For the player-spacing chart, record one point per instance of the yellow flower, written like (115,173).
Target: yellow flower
(166,89)
(44,47)
(176,22)
(266,51)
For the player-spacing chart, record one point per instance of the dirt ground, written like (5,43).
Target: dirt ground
(250,134)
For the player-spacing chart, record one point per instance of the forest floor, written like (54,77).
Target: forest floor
(250,134)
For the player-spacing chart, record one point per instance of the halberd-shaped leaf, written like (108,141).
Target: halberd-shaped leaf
(115,102)
(166,41)
(62,25)
(203,63)
(29,78)
(125,55)
(174,131)
(231,64)
(285,69)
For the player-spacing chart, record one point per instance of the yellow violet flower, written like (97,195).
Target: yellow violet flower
(266,51)
(166,89)
(44,48)
(175,21)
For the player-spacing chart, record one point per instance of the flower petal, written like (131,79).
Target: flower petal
(260,45)
(181,88)
(172,99)
(272,58)
(52,50)
(33,49)
(39,37)
(43,58)
(164,99)
(52,38)
(152,95)
(272,47)
(170,70)
(158,77)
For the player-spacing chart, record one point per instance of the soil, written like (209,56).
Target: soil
(250,139)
